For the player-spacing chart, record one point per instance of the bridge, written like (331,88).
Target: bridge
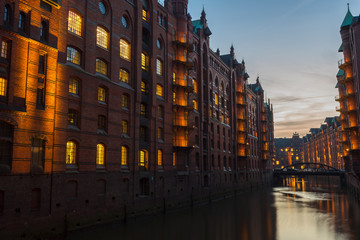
(309,169)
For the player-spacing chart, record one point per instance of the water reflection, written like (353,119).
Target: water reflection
(300,208)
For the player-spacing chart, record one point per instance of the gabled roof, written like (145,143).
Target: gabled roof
(197,24)
(348,19)
(226,59)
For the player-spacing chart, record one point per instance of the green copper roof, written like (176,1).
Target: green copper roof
(348,19)
(197,24)
(341,48)
(340,73)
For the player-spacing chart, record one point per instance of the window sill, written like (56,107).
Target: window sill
(101,131)
(124,135)
(73,127)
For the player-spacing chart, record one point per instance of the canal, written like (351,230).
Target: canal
(297,208)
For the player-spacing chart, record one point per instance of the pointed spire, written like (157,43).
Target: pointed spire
(232,53)
(218,52)
(203,15)
(348,18)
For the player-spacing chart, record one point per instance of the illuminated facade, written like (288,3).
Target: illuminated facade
(120,107)
(349,91)
(322,145)
(288,151)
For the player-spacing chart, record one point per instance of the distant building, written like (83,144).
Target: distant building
(289,151)
(322,145)
(349,91)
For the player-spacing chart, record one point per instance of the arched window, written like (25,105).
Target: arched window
(74,23)
(125,49)
(195,86)
(221,87)
(124,155)
(22,21)
(101,66)
(195,104)
(7,14)
(124,76)
(71,148)
(160,157)
(44,29)
(100,154)
(159,67)
(102,37)
(216,99)
(73,55)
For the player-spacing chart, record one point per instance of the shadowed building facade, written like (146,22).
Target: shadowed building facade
(110,109)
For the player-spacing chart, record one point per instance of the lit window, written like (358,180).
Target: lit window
(74,23)
(195,86)
(174,77)
(124,155)
(143,87)
(3,87)
(73,55)
(72,117)
(195,104)
(73,86)
(143,158)
(160,133)
(174,97)
(101,94)
(124,76)
(144,61)
(159,90)
(145,15)
(160,111)
(125,127)
(71,152)
(125,101)
(143,110)
(216,99)
(4,49)
(102,37)
(101,122)
(222,118)
(160,157)
(101,66)
(174,159)
(124,49)
(100,154)
(159,67)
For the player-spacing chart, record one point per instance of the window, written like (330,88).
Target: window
(102,37)
(159,67)
(44,30)
(3,87)
(40,98)
(174,97)
(195,104)
(42,64)
(71,149)
(125,127)
(7,14)
(102,8)
(101,66)
(174,159)
(72,118)
(124,155)
(124,22)
(6,142)
(160,112)
(143,133)
(143,110)
(160,157)
(124,76)
(195,86)
(124,49)
(101,94)
(73,55)
(144,61)
(74,23)
(73,86)
(100,154)
(160,133)
(216,99)
(159,90)
(22,21)
(4,49)
(174,77)
(125,101)
(37,154)
(102,122)
(143,87)
(143,158)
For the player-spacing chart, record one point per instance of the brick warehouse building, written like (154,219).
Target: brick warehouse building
(349,91)
(109,110)
(288,151)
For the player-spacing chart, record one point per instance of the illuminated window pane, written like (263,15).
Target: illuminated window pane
(144,61)
(73,86)
(159,90)
(174,97)
(160,157)
(124,76)
(3,86)
(174,77)
(160,133)
(145,16)
(195,105)
(125,127)
(101,94)
(102,37)
(174,159)
(74,23)
(159,67)
(143,110)
(124,49)
(124,155)
(195,86)
(101,66)
(72,117)
(100,154)
(73,55)
(216,99)
(71,152)
(143,87)
(125,101)
(4,49)
(143,158)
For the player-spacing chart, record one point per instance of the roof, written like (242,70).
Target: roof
(341,49)
(348,19)
(226,59)
(340,73)
(197,24)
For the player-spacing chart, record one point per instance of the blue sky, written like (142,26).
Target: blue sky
(291,44)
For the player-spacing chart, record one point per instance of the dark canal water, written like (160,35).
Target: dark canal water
(298,209)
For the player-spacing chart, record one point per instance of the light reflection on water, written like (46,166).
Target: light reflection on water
(302,208)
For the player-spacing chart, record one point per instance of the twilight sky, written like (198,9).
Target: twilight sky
(291,44)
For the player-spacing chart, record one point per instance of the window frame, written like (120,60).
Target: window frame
(73,54)
(74,153)
(102,37)
(125,49)
(77,20)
